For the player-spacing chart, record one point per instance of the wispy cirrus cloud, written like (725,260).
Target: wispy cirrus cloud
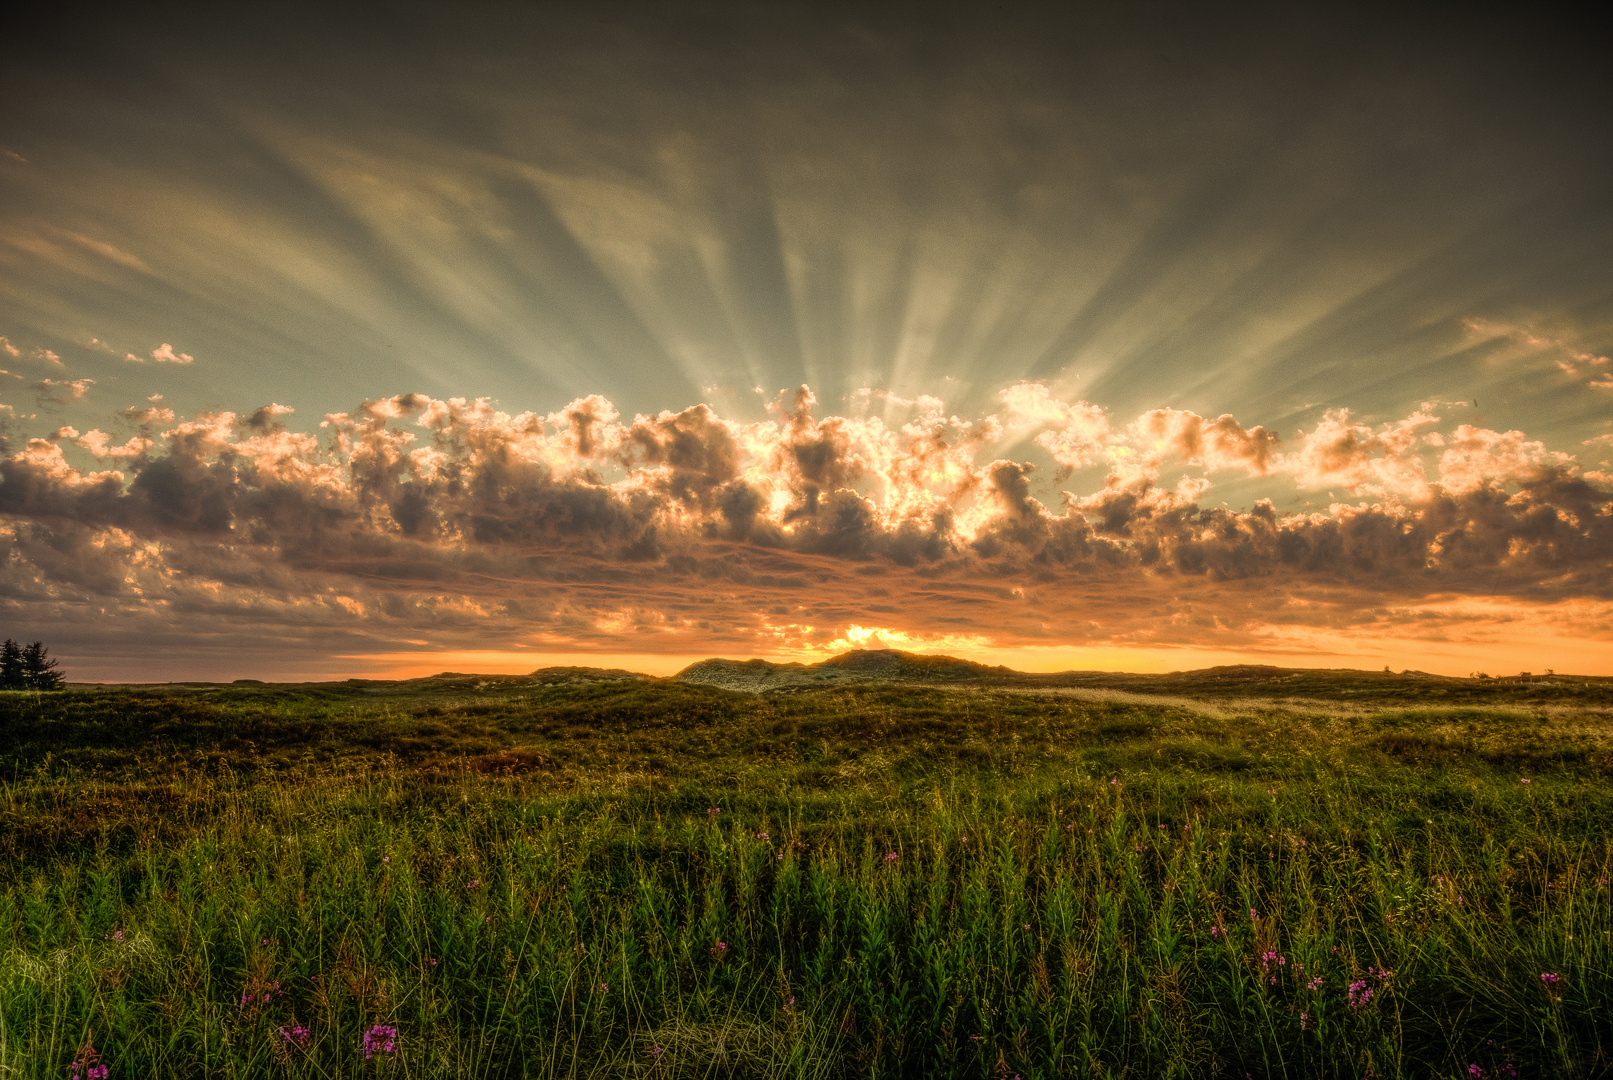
(1570,358)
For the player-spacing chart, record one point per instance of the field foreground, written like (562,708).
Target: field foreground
(1249,873)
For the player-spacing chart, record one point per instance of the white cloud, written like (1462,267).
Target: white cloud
(164,354)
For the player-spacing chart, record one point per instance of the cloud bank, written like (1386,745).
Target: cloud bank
(414,520)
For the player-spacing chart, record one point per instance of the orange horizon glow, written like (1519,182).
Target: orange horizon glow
(1454,659)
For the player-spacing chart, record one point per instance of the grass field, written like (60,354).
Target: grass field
(562,876)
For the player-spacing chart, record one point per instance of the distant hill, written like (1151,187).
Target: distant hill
(857,666)
(893,666)
(1233,680)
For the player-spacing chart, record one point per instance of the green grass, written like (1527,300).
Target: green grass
(526,878)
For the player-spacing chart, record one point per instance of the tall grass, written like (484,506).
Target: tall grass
(1184,914)
(1091,930)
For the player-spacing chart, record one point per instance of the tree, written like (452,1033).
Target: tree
(39,670)
(13,673)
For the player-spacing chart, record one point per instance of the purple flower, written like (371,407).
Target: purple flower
(761,836)
(380,1039)
(473,884)
(891,856)
(297,1036)
(1474,1071)
(88,1061)
(1359,994)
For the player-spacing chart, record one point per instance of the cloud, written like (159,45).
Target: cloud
(151,415)
(162,354)
(1476,458)
(1361,459)
(39,353)
(99,444)
(1569,358)
(1216,444)
(419,518)
(61,391)
(1074,433)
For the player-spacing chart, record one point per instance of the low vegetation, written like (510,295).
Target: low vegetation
(577,875)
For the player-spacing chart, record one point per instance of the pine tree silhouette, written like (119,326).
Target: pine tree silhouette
(13,673)
(39,670)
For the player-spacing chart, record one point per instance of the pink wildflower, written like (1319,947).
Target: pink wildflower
(86,1063)
(380,1039)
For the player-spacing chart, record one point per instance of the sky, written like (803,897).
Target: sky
(484,337)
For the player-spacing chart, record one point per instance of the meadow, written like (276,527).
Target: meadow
(571,875)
